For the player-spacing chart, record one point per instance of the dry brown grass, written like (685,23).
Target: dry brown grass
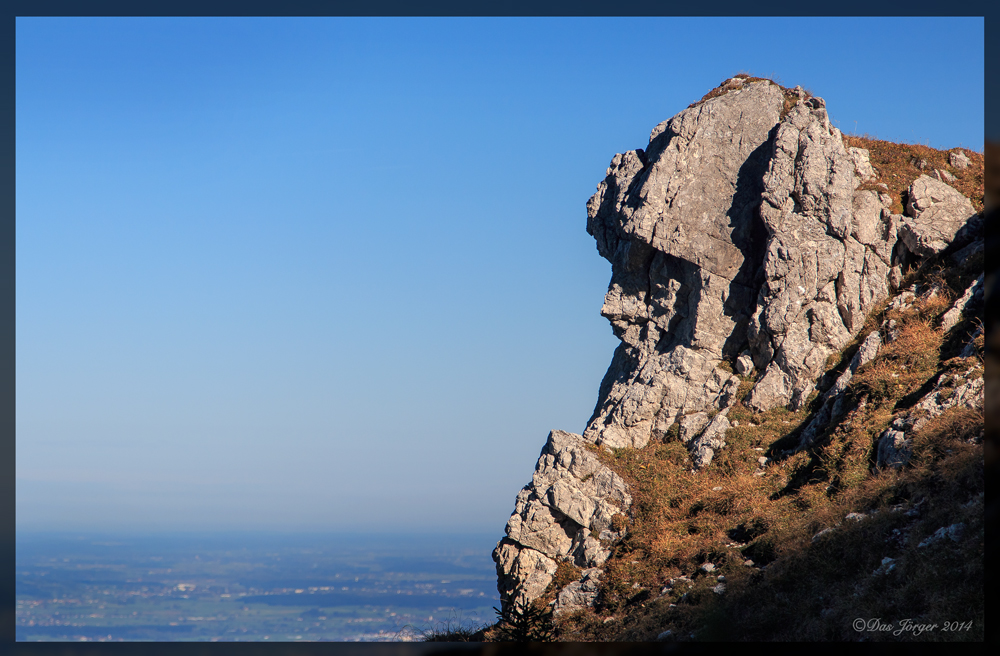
(898,165)
(800,588)
(903,365)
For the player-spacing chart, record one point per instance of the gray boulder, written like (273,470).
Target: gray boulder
(937,211)
(578,594)
(958,160)
(711,440)
(744,364)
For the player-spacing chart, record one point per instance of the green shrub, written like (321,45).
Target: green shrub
(524,622)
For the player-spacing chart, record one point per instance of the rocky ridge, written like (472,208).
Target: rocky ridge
(741,237)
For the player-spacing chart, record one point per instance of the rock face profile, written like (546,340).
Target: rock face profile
(738,241)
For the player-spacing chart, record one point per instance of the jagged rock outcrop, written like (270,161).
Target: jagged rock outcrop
(702,268)
(738,239)
(676,221)
(565,513)
(828,255)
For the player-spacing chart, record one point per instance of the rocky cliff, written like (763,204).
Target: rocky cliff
(748,244)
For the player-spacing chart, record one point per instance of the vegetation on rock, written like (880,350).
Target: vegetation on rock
(897,165)
(800,538)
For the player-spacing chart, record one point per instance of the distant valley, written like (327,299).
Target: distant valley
(250,588)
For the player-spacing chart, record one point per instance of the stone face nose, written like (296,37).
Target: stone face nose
(679,223)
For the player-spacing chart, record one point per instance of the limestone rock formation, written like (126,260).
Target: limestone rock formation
(827,257)
(937,212)
(565,513)
(676,221)
(740,237)
(702,268)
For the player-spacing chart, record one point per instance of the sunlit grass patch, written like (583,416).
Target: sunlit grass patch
(801,535)
(898,165)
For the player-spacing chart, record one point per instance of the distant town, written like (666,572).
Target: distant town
(125,594)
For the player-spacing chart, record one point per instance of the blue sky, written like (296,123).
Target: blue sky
(333,274)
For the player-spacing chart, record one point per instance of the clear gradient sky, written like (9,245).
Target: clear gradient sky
(333,274)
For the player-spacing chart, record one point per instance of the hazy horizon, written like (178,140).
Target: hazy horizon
(256,587)
(332,274)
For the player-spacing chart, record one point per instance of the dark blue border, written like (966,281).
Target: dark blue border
(909,46)
(508,8)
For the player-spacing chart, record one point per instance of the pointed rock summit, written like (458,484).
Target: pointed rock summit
(737,238)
